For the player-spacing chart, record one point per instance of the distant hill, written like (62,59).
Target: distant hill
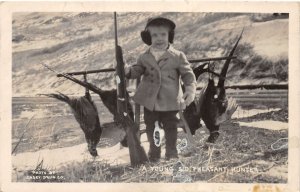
(84,41)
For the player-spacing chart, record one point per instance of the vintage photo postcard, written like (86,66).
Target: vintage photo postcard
(194,96)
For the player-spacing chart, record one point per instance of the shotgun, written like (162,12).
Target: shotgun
(136,151)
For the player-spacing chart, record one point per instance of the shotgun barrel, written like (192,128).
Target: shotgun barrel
(89,72)
(210,59)
(248,86)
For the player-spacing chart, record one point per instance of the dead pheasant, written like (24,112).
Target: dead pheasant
(212,106)
(86,115)
(108,97)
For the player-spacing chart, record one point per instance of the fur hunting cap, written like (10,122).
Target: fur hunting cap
(160,21)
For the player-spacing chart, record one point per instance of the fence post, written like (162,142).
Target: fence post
(137,107)
(85,80)
(137,111)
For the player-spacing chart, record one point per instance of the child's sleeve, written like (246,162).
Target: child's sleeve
(186,72)
(188,78)
(136,70)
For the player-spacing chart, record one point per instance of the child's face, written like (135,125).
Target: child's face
(159,36)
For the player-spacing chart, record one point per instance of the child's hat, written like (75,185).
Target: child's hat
(145,35)
(160,20)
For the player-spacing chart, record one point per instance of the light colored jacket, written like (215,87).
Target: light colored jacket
(160,88)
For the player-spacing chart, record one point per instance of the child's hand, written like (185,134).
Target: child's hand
(127,70)
(182,105)
(188,98)
(189,94)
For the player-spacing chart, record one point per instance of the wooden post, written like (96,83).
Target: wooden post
(137,107)
(85,80)
(190,138)
(137,111)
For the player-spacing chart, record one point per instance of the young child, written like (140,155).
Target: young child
(160,91)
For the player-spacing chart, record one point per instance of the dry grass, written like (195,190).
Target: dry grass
(238,147)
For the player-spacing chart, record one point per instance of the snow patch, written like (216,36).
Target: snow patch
(55,158)
(267,124)
(243,113)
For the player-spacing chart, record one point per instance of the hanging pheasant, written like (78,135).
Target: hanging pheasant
(86,114)
(108,97)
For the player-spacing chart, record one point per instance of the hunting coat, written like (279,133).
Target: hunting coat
(160,88)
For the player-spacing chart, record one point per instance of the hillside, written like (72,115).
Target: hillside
(84,41)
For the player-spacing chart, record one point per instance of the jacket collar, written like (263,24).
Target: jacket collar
(169,53)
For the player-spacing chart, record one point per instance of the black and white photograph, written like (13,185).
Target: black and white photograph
(151,97)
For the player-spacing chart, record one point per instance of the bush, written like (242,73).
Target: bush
(18,38)
(262,17)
